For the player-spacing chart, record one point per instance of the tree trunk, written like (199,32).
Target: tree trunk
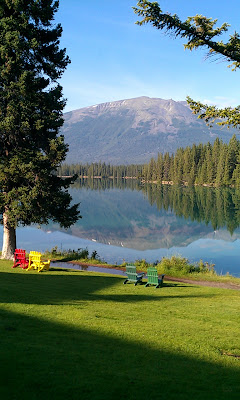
(9,239)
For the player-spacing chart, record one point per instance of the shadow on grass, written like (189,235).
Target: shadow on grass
(42,359)
(45,360)
(174,285)
(45,289)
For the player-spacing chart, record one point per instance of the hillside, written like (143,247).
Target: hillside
(134,130)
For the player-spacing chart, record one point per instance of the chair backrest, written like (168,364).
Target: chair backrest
(35,257)
(131,272)
(152,275)
(20,255)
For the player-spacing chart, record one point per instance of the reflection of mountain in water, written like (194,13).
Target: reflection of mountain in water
(126,213)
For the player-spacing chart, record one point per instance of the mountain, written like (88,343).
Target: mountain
(134,130)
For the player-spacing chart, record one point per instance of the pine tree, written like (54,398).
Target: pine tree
(221,166)
(236,177)
(31,106)
(236,172)
(186,163)
(159,167)
(215,156)
(202,178)
(231,159)
(166,166)
(178,167)
(209,162)
(192,176)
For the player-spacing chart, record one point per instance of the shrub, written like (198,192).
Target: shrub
(142,264)
(71,254)
(94,255)
(177,265)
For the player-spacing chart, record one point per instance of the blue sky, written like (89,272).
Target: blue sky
(112,58)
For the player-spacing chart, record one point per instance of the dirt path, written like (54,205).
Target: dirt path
(221,285)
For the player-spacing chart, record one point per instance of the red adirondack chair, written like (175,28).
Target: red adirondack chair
(20,259)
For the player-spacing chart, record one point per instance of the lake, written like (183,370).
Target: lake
(126,220)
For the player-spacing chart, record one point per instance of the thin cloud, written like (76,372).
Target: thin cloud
(221,102)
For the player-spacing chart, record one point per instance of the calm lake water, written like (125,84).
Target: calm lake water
(129,221)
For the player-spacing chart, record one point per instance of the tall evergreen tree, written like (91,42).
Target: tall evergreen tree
(31,106)
(160,167)
(192,176)
(236,176)
(166,167)
(177,168)
(186,163)
(231,159)
(215,156)
(221,165)
(236,172)
(209,162)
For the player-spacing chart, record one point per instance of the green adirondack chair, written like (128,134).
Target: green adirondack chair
(153,278)
(133,275)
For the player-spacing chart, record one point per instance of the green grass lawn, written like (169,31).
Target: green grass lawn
(77,335)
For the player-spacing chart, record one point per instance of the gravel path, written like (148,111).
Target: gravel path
(221,285)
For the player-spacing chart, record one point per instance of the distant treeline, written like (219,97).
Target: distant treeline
(216,164)
(106,184)
(102,170)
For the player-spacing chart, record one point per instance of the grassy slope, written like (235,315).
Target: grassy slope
(78,335)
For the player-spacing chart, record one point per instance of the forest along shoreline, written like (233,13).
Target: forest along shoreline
(210,164)
(220,285)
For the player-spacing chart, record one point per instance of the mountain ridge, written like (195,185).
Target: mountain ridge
(134,130)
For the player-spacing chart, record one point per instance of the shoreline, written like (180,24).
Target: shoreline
(155,182)
(220,285)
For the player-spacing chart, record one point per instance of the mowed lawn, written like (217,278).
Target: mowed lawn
(79,335)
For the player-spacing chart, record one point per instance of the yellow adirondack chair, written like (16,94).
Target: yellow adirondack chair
(35,262)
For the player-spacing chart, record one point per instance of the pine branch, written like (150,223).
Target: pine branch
(198,30)
(230,116)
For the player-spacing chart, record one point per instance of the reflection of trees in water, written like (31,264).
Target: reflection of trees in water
(218,206)
(106,184)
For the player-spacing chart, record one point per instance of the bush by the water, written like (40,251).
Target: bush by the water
(182,266)
(71,255)
(177,265)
